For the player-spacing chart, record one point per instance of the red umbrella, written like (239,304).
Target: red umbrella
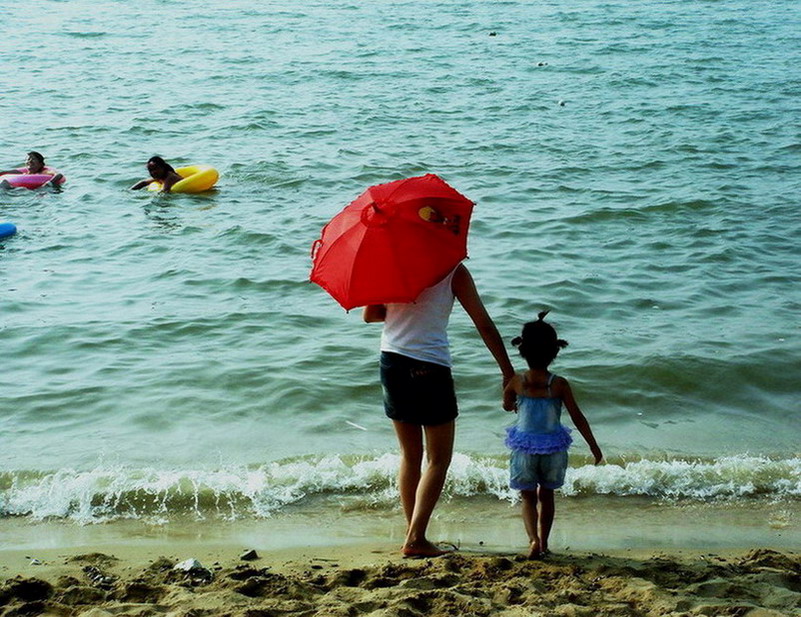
(392,242)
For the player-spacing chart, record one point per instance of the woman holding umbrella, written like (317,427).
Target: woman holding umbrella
(397,250)
(419,395)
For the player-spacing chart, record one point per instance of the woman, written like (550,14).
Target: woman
(160,171)
(419,395)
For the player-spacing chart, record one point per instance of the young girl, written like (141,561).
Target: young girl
(35,164)
(538,440)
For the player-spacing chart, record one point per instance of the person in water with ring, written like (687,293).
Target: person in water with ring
(35,164)
(160,171)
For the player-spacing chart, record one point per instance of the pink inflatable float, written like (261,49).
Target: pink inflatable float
(31,181)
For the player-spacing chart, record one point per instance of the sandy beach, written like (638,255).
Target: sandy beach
(609,559)
(374,580)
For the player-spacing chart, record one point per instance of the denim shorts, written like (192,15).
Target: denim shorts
(527,471)
(417,392)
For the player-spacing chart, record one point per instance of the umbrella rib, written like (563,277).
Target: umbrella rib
(401,184)
(402,271)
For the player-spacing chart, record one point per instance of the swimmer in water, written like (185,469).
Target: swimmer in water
(160,171)
(35,164)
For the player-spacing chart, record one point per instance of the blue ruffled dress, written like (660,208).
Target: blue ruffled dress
(538,429)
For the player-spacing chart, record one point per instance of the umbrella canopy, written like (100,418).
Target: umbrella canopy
(392,242)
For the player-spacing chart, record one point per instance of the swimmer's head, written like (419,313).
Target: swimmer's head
(158,167)
(538,343)
(35,162)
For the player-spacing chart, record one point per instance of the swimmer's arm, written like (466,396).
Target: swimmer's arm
(465,290)
(141,184)
(510,394)
(564,391)
(11,171)
(374,313)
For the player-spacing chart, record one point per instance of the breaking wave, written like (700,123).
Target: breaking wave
(108,493)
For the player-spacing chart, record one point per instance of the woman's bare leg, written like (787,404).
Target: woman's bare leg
(547,511)
(531,521)
(439,451)
(410,438)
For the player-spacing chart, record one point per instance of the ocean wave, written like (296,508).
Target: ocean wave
(110,493)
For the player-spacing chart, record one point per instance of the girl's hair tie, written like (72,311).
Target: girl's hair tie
(516,341)
(541,315)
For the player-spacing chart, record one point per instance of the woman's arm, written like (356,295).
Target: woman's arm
(579,420)
(465,291)
(141,184)
(374,313)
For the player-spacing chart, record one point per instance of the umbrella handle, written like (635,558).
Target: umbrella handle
(315,247)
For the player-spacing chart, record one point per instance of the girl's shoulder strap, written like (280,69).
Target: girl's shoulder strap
(551,377)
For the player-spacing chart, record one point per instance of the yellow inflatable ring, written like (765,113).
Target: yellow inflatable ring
(196,179)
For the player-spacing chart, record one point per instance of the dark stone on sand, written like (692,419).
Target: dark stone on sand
(250,555)
(98,578)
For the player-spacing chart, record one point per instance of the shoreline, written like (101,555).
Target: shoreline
(594,523)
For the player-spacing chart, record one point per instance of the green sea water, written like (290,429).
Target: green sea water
(635,168)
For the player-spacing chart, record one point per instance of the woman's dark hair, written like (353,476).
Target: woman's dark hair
(161,163)
(36,155)
(539,342)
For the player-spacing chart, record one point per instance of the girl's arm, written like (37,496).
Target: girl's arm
(566,394)
(141,184)
(465,290)
(11,171)
(374,313)
(510,394)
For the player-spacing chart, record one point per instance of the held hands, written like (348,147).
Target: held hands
(509,396)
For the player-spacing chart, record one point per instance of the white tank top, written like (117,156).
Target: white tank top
(419,329)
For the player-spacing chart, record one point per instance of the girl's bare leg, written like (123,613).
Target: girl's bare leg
(530,520)
(547,510)
(410,438)
(439,450)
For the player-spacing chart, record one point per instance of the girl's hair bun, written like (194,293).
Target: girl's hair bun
(539,343)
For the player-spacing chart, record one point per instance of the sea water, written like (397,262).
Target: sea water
(635,168)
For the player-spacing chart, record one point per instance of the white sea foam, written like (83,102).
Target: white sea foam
(108,493)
